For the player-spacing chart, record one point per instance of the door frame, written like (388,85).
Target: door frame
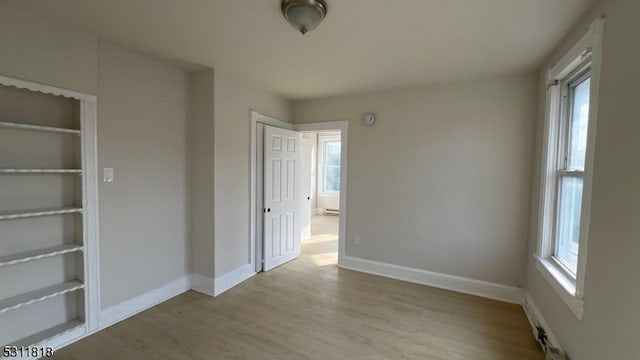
(343,127)
(257,173)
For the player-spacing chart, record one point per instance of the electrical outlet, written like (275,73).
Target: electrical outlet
(356,240)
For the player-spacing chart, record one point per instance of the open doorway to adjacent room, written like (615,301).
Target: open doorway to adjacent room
(320,181)
(298,193)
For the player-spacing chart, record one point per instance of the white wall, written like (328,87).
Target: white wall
(142,133)
(142,129)
(35,49)
(233,102)
(142,125)
(610,326)
(201,152)
(441,181)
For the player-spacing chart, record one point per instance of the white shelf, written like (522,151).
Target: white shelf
(38,128)
(40,171)
(35,296)
(10,215)
(45,336)
(38,254)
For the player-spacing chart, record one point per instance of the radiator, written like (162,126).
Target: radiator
(555,354)
(551,353)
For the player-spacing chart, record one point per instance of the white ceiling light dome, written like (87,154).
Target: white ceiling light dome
(304,15)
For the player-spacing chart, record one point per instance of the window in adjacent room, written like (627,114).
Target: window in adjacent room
(331,166)
(567,168)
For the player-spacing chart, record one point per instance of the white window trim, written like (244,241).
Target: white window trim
(322,139)
(570,289)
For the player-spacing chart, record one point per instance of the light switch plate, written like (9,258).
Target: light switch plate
(107,175)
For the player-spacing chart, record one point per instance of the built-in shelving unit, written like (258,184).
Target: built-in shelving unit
(38,254)
(47,214)
(38,128)
(40,171)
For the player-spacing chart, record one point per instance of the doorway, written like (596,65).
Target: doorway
(320,167)
(329,212)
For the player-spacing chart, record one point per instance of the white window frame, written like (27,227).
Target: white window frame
(569,286)
(322,139)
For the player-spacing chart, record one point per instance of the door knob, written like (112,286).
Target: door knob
(308,197)
(269,210)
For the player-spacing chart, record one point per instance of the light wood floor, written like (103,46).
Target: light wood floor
(310,309)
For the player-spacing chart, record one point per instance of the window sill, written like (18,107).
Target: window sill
(562,284)
(333,195)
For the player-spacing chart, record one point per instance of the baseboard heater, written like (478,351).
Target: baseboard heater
(331,211)
(555,354)
(551,353)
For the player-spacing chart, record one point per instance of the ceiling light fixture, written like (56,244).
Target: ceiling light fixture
(304,15)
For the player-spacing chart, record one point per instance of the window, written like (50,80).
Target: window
(574,124)
(331,166)
(567,168)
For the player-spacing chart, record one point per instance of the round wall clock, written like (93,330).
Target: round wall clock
(368,119)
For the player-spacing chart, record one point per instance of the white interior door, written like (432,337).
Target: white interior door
(281,196)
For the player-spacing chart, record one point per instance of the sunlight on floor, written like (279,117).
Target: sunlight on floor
(330,258)
(322,247)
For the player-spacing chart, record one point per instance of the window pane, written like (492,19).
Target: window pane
(578,124)
(568,227)
(332,179)
(332,153)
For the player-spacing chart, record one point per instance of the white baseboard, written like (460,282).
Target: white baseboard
(510,294)
(233,278)
(537,320)
(128,308)
(202,284)
(315,211)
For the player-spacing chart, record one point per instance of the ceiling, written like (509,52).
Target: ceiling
(362,45)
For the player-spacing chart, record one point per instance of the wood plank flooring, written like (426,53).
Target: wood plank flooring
(310,309)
